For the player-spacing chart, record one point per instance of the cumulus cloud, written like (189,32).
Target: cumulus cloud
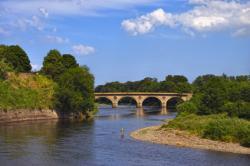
(205,16)
(56,39)
(148,22)
(83,49)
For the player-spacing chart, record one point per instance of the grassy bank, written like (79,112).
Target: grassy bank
(216,127)
(26,91)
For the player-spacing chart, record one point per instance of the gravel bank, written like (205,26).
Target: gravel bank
(157,135)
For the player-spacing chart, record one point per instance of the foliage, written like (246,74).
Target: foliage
(26,91)
(72,88)
(227,129)
(16,57)
(75,92)
(188,107)
(216,127)
(171,84)
(52,65)
(69,61)
(4,69)
(217,94)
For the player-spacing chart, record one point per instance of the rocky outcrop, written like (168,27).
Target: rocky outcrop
(31,115)
(26,115)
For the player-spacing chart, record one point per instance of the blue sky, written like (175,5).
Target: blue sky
(122,40)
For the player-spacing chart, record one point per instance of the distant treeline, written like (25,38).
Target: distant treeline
(61,83)
(172,83)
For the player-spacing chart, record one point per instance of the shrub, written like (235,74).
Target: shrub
(188,107)
(4,68)
(216,127)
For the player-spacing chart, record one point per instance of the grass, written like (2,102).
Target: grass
(216,127)
(26,91)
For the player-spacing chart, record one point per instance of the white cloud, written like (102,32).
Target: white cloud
(83,49)
(36,67)
(56,39)
(71,7)
(33,22)
(146,23)
(44,12)
(206,16)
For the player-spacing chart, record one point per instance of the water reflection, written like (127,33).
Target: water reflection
(99,143)
(44,139)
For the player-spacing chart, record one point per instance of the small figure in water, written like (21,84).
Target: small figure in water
(122,133)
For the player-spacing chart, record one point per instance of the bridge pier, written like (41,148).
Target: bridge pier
(163,104)
(138,105)
(114,104)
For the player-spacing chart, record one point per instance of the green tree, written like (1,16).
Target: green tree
(52,65)
(75,92)
(176,78)
(16,57)
(69,61)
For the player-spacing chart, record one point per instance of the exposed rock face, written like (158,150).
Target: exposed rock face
(25,115)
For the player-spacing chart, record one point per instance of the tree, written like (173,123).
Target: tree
(176,78)
(212,92)
(52,65)
(75,92)
(69,61)
(16,57)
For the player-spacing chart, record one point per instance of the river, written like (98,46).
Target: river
(52,143)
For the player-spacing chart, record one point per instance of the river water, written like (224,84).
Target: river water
(51,143)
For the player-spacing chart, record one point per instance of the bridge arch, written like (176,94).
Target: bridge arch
(104,99)
(140,97)
(173,102)
(130,99)
(154,98)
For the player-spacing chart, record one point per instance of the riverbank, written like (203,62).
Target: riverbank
(26,115)
(22,115)
(156,134)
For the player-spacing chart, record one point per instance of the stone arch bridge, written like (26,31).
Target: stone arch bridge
(140,97)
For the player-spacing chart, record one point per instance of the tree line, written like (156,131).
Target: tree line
(74,84)
(172,83)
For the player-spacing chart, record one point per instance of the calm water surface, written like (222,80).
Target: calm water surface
(50,143)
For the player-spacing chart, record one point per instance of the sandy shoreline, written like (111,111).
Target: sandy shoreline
(184,139)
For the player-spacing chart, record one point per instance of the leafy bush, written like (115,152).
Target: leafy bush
(4,68)
(229,130)
(237,109)
(188,107)
(216,127)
